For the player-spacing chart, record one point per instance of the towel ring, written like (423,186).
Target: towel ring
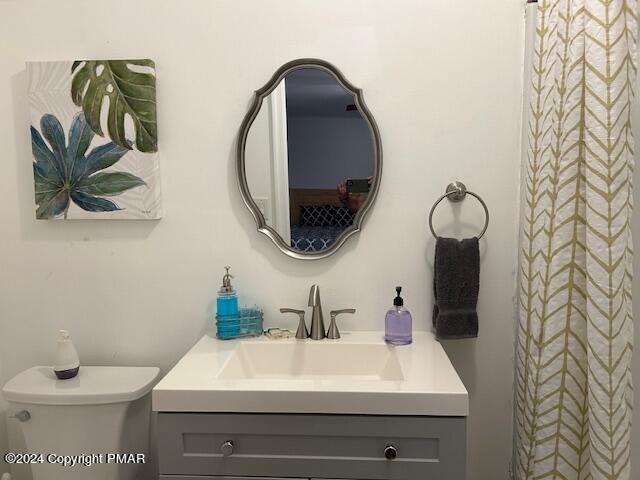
(456,192)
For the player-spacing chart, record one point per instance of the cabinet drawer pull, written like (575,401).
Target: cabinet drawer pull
(226,448)
(390,452)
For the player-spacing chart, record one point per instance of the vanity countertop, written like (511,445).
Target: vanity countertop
(357,374)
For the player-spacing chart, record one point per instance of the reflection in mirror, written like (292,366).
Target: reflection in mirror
(311,158)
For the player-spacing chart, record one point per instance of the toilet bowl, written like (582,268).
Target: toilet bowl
(94,426)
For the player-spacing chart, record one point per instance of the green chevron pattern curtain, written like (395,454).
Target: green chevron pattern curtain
(573,394)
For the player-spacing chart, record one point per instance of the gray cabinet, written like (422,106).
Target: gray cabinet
(200,446)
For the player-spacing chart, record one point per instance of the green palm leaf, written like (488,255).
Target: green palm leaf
(130,92)
(108,184)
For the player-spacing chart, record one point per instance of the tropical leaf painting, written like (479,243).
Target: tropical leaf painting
(94,139)
(63,171)
(130,88)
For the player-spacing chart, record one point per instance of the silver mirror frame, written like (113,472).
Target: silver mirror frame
(259,96)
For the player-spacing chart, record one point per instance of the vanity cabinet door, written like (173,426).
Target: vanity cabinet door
(311,446)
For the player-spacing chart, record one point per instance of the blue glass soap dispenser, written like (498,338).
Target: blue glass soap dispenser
(227,302)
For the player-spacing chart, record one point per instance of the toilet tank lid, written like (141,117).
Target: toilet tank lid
(92,386)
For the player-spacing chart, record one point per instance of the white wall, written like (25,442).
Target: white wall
(443,80)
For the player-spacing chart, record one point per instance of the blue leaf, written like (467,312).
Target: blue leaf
(93,204)
(43,182)
(63,173)
(98,159)
(51,203)
(47,162)
(53,132)
(80,137)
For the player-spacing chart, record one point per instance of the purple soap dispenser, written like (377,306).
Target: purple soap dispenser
(398,322)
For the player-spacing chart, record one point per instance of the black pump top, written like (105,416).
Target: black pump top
(398,301)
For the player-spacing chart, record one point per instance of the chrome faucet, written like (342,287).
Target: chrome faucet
(318,331)
(317,320)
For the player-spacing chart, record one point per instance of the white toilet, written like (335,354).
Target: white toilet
(102,411)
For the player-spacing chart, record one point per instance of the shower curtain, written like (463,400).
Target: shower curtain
(573,397)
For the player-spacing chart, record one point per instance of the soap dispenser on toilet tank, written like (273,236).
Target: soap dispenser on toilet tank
(67,363)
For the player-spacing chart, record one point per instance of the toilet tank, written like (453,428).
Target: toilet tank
(87,420)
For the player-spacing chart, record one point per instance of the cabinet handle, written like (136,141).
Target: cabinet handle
(227,448)
(390,452)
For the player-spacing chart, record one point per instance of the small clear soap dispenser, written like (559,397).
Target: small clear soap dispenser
(227,303)
(398,322)
(67,363)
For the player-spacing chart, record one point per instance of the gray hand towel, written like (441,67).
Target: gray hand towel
(456,281)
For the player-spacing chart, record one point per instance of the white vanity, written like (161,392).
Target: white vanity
(309,165)
(353,408)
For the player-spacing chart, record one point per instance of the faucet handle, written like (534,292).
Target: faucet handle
(333,332)
(302,331)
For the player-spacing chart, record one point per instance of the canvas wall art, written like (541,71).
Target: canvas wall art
(94,139)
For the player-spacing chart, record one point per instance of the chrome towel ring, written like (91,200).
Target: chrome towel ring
(456,192)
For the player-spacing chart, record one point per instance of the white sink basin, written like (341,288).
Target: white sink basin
(309,361)
(357,374)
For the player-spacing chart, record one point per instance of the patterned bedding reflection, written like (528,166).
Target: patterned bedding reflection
(319,227)
(314,239)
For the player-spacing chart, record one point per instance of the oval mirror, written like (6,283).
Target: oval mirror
(309,159)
